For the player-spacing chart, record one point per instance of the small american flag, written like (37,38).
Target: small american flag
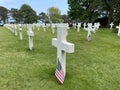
(59,74)
(89,37)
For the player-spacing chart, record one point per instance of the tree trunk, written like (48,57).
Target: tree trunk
(90,19)
(110,17)
(90,16)
(4,21)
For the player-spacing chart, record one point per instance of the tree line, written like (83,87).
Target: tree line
(78,11)
(89,10)
(27,15)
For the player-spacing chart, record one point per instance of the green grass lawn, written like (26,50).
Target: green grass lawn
(94,65)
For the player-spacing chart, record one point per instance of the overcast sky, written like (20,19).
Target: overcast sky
(38,5)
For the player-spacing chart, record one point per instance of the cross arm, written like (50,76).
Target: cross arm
(68,47)
(54,42)
(65,46)
(117,26)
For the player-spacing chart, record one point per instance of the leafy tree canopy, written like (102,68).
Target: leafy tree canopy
(3,13)
(89,10)
(54,15)
(26,14)
(43,17)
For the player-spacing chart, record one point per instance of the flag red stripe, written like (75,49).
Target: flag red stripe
(59,80)
(60,73)
(60,76)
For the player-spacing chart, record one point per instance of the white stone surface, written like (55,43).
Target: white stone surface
(78,27)
(111,25)
(84,25)
(20,31)
(53,28)
(96,27)
(62,46)
(15,27)
(89,29)
(30,36)
(118,27)
(44,27)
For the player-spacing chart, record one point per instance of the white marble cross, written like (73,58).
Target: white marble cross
(95,27)
(30,36)
(15,27)
(118,29)
(79,26)
(74,25)
(53,28)
(44,27)
(66,25)
(20,31)
(111,25)
(84,25)
(89,37)
(62,46)
(98,25)
(48,25)
(12,28)
(89,29)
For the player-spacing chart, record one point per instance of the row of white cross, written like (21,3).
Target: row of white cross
(14,27)
(60,43)
(89,27)
(118,27)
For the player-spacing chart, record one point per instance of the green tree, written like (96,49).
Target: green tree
(43,17)
(13,13)
(84,10)
(112,7)
(54,15)
(65,18)
(88,10)
(26,14)
(3,14)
